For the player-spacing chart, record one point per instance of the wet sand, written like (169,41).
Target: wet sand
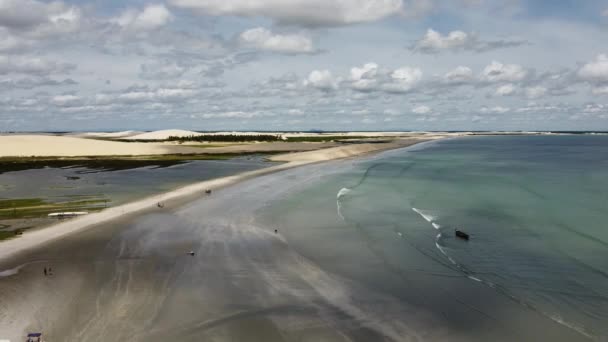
(35,238)
(132,279)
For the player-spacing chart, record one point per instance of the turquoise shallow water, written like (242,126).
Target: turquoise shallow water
(536,208)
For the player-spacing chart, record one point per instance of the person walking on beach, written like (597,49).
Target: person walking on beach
(45,271)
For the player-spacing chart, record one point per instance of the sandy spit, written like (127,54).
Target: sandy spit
(36,238)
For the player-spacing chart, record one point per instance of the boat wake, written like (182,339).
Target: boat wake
(470,275)
(431,219)
(425,215)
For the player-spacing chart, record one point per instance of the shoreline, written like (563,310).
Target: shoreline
(246,280)
(13,247)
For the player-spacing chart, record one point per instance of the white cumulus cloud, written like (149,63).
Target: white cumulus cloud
(505,90)
(403,79)
(535,92)
(499,72)
(299,12)
(31,65)
(161,70)
(495,110)
(66,100)
(596,71)
(321,79)
(364,78)
(435,42)
(603,90)
(28,14)
(458,75)
(421,110)
(27,20)
(264,39)
(150,18)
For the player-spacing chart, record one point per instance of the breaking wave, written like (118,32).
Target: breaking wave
(343,192)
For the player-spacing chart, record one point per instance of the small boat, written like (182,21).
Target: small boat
(191,253)
(461,234)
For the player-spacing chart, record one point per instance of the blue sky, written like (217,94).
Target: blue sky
(298,65)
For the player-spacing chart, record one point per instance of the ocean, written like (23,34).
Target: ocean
(535,208)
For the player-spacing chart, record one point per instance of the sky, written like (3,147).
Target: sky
(303,65)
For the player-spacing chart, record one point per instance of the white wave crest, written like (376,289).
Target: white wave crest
(425,215)
(343,192)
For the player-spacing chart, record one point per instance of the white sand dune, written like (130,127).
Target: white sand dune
(163,134)
(64,146)
(109,135)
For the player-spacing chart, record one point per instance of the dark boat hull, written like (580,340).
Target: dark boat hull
(462,235)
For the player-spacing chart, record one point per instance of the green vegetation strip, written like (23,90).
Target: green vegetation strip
(326,138)
(109,163)
(253,138)
(36,207)
(7,234)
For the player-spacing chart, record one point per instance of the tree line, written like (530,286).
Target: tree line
(227,137)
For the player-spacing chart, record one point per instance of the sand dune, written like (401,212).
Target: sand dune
(163,134)
(109,135)
(63,146)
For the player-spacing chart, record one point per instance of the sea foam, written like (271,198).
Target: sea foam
(343,192)
(425,215)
